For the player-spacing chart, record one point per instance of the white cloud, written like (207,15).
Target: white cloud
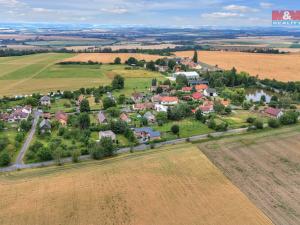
(11,3)
(115,10)
(266,5)
(221,15)
(240,8)
(41,10)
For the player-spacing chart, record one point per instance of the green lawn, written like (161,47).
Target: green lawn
(188,128)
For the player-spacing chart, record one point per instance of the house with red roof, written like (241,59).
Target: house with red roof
(273,112)
(61,117)
(186,89)
(201,87)
(169,100)
(197,96)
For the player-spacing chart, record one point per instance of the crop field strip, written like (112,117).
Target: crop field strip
(266,169)
(173,185)
(283,67)
(40,73)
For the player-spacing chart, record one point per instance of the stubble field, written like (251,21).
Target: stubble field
(174,185)
(284,67)
(266,167)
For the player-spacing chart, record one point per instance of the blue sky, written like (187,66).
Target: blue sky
(145,12)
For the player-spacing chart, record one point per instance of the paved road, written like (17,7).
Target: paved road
(28,140)
(141,147)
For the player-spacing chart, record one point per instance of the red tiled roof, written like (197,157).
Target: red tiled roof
(201,87)
(186,89)
(272,111)
(197,95)
(169,99)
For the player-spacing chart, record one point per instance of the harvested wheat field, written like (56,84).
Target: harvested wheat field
(174,185)
(284,67)
(110,57)
(266,168)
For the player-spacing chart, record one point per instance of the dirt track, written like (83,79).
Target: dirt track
(267,170)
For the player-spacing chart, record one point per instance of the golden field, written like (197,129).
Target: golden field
(284,67)
(173,185)
(110,57)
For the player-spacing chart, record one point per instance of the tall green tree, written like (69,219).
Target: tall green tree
(117,60)
(195,57)
(85,106)
(118,82)
(84,121)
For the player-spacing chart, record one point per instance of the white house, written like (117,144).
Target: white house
(210,92)
(168,100)
(45,100)
(161,108)
(193,75)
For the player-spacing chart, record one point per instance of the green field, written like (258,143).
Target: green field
(41,73)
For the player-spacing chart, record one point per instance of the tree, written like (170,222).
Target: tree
(57,154)
(108,102)
(212,124)
(84,121)
(5,158)
(4,141)
(118,82)
(162,117)
(121,99)
(132,61)
(117,60)
(289,118)
(25,125)
(44,154)
(114,112)
(108,146)
(75,156)
(199,115)
(171,64)
(219,108)
(159,90)
(258,124)
(97,152)
(2,125)
(181,80)
(195,58)
(129,135)
(151,66)
(154,82)
(85,106)
(175,129)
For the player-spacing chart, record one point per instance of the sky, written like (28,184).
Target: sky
(164,13)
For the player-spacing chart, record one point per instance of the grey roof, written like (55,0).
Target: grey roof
(211,90)
(108,134)
(45,98)
(45,124)
(148,115)
(101,117)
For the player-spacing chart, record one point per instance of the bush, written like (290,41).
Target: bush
(259,124)
(250,120)
(75,156)
(212,124)
(289,118)
(175,129)
(274,123)
(4,159)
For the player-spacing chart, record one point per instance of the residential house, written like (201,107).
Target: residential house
(206,109)
(101,117)
(107,134)
(161,108)
(138,97)
(193,75)
(124,117)
(19,113)
(143,106)
(273,112)
(201,87)
(45,100)
(150,117)
(156,98)
(168,100)
(201,80)
(61,117)
(161,69)
(210,92)
(186,89)
(45,126)
(165,88)
(197,96)
(79,100)
(146,134)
